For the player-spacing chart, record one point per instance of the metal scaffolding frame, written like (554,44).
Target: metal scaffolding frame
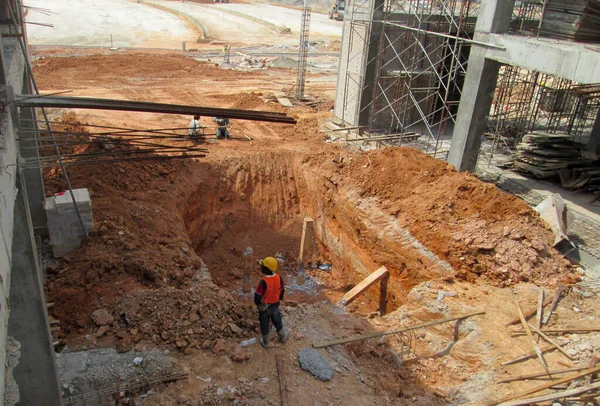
(527,101)
(417,72)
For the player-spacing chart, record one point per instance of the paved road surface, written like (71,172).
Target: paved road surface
(92,22)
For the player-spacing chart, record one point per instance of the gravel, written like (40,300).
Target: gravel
(314,362)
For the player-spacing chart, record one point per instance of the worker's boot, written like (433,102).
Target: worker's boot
(264,340)
(283,335)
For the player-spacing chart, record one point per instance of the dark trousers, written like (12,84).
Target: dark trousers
(271,314)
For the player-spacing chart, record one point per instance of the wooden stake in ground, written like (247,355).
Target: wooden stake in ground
(282,390)
(324,344)
(554,303)
(536,349)
(365,284)
(545,386)
(383,294)
(540,311)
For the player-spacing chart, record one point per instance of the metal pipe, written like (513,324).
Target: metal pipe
(148,107)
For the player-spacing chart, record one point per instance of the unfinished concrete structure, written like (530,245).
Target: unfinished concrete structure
(407,66)
(23,313)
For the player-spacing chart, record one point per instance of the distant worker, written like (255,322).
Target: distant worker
(195,127)
(267,296)
(222,127)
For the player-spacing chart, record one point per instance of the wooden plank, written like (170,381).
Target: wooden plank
(282,389)
(365,284)
(528,355)
(307,237)
(550,341)
(561,330)
(527,314)
(588,379)
(536,349)
(545,386)
(540,375)
(324,344)
(554,303)
(553,396)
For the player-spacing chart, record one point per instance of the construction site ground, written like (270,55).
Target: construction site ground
(164,263)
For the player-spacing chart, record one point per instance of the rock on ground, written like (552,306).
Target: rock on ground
(102,317)
(314,362)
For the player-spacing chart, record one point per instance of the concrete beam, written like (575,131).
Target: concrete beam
(36,372)
(570,60)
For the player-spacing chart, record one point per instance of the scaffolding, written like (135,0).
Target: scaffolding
(526,101)
(403,66)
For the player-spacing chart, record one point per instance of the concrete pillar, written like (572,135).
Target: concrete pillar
(28,148)
(478,90)
(475,103)
(36,372)
(371,66)
(594,142)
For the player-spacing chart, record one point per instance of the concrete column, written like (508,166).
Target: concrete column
(371,66)
(478,90)
(594,142)
(36,372)
(28,148)
(475,103)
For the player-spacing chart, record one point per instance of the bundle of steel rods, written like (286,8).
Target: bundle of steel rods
(116,144)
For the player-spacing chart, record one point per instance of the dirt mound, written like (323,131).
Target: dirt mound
(191,318)
(481,231)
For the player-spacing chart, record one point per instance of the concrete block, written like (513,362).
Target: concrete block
(64,227)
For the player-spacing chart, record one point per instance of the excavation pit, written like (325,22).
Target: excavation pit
(262,201)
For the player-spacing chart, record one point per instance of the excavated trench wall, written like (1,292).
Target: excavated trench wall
(272,190)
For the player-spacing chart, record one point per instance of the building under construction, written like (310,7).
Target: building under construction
(406,66)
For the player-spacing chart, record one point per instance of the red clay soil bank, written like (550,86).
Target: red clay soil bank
(484,233)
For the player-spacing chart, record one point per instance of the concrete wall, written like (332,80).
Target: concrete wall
(23,313)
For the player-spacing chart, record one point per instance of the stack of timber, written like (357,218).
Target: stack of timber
(574,20)
(545,155)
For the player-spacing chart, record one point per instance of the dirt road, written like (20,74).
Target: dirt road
(95,22)
(114,23)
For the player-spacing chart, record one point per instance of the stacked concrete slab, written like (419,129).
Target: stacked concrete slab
(64,227)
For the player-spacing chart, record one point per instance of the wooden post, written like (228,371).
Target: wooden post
(383,294)
(307,237)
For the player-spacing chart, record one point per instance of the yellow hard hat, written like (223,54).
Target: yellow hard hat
(269,262)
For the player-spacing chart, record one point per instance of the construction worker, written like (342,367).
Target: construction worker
(266,297)
(195,127)
(222,126)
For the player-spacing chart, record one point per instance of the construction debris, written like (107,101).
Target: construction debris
(576,20)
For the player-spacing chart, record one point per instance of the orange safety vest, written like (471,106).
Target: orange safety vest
(273,290)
